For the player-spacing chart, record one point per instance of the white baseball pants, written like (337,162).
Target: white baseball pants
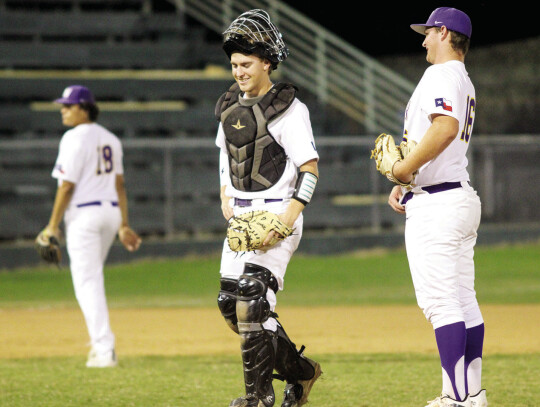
(90,232)
(276,259)
(440,235)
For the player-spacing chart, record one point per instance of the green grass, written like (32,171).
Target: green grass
(404,380)
(505,275)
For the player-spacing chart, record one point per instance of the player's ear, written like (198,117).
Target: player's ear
(444,32)
(267,65)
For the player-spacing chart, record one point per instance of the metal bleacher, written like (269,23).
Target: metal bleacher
(151,74)
(156,77)
(132,103)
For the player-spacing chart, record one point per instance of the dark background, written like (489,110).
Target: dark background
(383,28)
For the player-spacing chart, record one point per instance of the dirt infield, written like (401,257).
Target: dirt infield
(193,331)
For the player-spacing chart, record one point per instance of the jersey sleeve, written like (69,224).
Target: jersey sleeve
(224,176)
(441,95)
(68,163)
(220,138)
(119,159)
(224,173)
(297,135)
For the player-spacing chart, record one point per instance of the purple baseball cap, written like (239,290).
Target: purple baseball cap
(76,94)
(452,18)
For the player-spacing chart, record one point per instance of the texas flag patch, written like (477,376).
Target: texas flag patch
(444,103)
(58,167)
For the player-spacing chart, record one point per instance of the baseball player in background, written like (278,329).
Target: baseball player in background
(91,199)
(442,209)
(268,161)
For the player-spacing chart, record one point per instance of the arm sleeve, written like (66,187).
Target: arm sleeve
(297,135)
(224,176)
(119,159)
(69,161)
(442,95)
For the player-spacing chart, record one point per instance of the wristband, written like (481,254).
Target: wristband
(305,186)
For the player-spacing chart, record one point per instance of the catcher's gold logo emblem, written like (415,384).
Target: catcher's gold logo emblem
(238,126)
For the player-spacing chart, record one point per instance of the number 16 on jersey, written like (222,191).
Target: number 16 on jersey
(469,119)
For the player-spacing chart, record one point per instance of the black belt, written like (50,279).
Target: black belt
(432,189)
(94,203)
(249,202)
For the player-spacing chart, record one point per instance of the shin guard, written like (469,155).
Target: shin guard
(291,365)
(258,345)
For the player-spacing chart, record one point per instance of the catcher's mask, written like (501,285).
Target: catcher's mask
(253,33)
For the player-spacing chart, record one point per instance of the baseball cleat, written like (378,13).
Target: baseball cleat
(107,359)
(296,394)
(479,400)
(447,401)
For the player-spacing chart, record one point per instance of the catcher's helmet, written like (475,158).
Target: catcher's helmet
(253,33)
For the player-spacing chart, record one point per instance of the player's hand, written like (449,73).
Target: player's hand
(52,231)
(272,235)
(129,238)
(393,200)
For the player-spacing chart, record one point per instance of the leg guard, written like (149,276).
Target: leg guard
(258,345)
(291,364)
(227,302)
(298,371)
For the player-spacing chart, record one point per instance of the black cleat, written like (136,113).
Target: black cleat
(296,394)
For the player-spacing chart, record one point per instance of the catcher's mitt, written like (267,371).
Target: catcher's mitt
(248,231)
(48,247)
(386,154)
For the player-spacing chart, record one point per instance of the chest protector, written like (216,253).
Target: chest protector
(256,160)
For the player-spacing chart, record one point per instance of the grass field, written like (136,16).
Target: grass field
(326,305)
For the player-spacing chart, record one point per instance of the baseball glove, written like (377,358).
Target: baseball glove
(386,154)
(405,147)
(48,247)
(248,231)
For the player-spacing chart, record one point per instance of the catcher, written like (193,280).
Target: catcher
(268,173)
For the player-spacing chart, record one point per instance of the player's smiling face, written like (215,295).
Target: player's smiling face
(251,74)
(73,115)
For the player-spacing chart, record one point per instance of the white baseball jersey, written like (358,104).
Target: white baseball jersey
(441,227)
(444,89)
(292,130)
(90,156)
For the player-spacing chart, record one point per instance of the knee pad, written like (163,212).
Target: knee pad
(252,307)
(227,302)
